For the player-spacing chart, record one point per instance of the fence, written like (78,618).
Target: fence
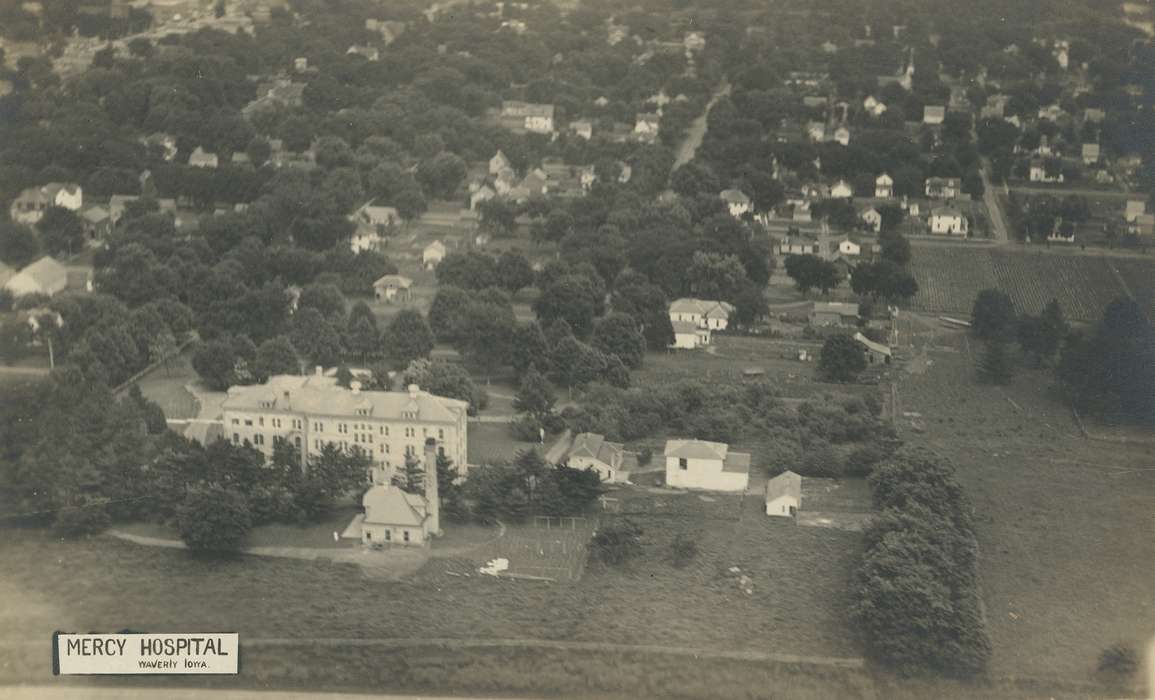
(554,548)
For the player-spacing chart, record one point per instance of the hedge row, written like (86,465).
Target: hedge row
(916,593)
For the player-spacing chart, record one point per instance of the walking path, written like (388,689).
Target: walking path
(994,208)
(697,130)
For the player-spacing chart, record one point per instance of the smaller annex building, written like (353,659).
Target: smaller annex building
(784,495)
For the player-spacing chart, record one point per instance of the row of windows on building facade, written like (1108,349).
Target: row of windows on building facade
(342,428)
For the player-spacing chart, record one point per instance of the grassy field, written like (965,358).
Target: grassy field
(1064,523)
(492,442)
(949,278)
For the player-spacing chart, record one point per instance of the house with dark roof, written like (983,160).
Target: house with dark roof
(943,187)
(834,313)
(700,464)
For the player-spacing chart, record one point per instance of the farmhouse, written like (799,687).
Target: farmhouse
(872,219)
(433,254)
(392,288)
(784,495)
(45,276)
(313,411)
(703,313)
(842,135)
(30,205)
(884,186)
(582,128)
(943,187)
(949,221)
(834,313)
(736,201)
(608,459)
(698,464)
(875,352)
(873,107)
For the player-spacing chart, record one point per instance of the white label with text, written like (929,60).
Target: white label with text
(146,653)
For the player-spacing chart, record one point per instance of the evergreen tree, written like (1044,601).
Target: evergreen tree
(362,336)
(411,477)
(996,366)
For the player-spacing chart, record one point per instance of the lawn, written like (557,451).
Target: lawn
(1064,523)
(493,443)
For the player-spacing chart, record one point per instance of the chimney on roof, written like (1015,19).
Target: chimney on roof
(432,495)
(355,387)
(413,389)
(319,370)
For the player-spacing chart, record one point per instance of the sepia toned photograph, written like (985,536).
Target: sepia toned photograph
(687,349)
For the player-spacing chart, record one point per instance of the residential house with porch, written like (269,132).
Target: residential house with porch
(608,459)
(949,221)
(392,288)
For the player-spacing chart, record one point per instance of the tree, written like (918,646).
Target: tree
(215,362)
(996,365)
(715,276)
(446,310)
(441,175)
(61,231)
(896,249)
(618,334)
(88,516)
(883,279)
(484,335)
(411,477)
(514,271)
(362,336)
(811,272)
(1119,663)
(18,244)
(841,359)
(1113,370)
(332,474)
(648,304)
(993,315)
(446,379)
(407,338)
(276,356)
(468,270)
(325,298)
(617,542)
(214,519)
(315,338)
(529,348)
(498,217)
(534,395)
(572,298)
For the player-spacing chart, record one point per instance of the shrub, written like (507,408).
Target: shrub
(1118,663)
(214,520)
(862,459)
(88,517)
(645,456)
(526,429)
(821,460)
(617,542)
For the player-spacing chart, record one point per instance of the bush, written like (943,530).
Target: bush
(683,550)
(821,461)
(861,460)
(88,517)
(1118,663)
(645,456)
(526,429)
(617,542)
(214,520)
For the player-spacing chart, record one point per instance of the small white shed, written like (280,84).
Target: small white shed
(784,495)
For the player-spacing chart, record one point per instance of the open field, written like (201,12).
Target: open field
(949,278)
(492,442)
(1064,523)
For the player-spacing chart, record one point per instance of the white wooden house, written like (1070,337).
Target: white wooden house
(784,495)
(698,464)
